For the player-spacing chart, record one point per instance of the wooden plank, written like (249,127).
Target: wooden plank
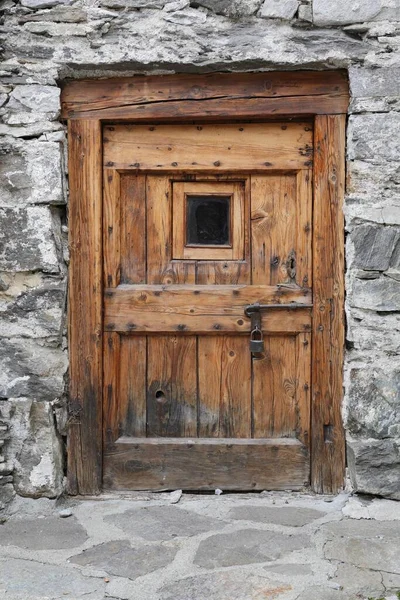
(171,386)
(275,229)
(225,147)
(224,374)
(201,309)
(303,275)
(206,464)
(85,308)
(132,386)
(328,450)
(133,227)
(113,402)
(97,97)
(275,389)
(303,394)
(111,227)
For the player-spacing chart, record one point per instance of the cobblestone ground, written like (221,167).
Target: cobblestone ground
(201,547)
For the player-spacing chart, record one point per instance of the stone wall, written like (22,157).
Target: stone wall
(46,41)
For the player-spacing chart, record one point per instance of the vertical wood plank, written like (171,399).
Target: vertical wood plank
(111,395)
(111,227)
(224,386)
(133,229)
(132,386)
(274,228)
(158,203)
(171,386)
(304,229)
(303,380)
(328,458)
(85,307)
(275,389)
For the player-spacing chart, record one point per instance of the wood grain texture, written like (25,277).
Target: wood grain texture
(111,227)
(133,228)
(206,464)
(275,389)
(201,309)
(328,451)
(224,367)
(132,386)
(171,386)
(85,308)
(225,147)
(113,404)
(268,93)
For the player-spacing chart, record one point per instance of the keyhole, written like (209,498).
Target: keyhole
(160,397)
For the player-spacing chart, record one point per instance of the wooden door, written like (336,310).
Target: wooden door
(199,222)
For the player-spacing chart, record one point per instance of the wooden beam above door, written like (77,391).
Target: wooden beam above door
(211,96)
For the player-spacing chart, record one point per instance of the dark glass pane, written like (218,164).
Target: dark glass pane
(208,221)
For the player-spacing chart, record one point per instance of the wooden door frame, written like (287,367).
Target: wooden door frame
(322,96)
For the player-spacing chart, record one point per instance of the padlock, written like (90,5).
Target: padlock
(256,345)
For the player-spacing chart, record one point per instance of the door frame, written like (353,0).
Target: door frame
(87,105)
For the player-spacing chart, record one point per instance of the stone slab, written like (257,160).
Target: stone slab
(382,294)
(323,593)
(289,516)
(247,546)
(158,523)
(374,246)
(342,12)
(31,580)
(121,559)
(231,585)
(365,544)
(358,581)
(371,137)
(46,533)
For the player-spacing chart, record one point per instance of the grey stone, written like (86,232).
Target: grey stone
(28,369)
(381,294)
(305,13)
(156,523)
(31,580)
(371,137)
(279,9)
(374,82)
(391,581)
(290,516)
(133,4)
(59,14)
(373,403)
(35,449)
(35,4)
(230,585)
(38,98)
(247,546)
(366,544)
(291,570)
(342,12)
(374,246)
(65,513)
(37,313)
(230,8)
(30,173)
(374,466)
(323,593)
(47,533)
(119,558)
(377,185)
(358,581)
(27,240)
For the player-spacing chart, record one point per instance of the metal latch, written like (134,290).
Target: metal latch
(253,312)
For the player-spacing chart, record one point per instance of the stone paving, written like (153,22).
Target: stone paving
(201,547)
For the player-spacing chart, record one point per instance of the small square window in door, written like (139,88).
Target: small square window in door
(208,220)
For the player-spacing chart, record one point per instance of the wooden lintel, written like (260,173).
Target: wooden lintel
(211,96)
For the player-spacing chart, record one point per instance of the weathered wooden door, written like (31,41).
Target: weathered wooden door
(201,221)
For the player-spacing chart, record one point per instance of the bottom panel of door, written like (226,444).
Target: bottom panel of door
(206,464)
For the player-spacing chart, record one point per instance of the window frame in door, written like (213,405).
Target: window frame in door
(87,105)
